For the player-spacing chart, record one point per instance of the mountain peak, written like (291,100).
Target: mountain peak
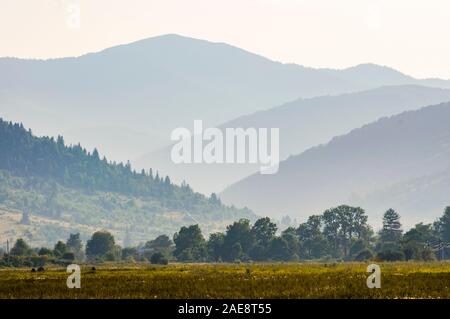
(371,69)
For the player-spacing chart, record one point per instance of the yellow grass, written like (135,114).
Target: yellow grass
(306,280)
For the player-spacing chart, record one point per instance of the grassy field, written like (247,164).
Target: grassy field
(398,280)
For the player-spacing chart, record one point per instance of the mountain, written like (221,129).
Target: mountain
(370,74)
(303,123)
(353,168)
(67,189)
(127,99)
(416,196)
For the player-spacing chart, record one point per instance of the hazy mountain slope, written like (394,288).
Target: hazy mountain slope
(151,86)
(66,184)
(303,124)
(146,89)
(407,146)
(417,197)
(370,74)
(309,122)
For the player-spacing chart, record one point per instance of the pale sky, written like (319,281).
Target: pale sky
(412,36)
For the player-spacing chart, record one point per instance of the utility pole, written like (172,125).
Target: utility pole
(442,247)
(7,250)
(443,252)
(438,248)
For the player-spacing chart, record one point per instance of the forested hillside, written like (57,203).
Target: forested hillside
(44,177)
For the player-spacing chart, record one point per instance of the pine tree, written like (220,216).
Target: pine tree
(392,228)
(444,225)
(75,245)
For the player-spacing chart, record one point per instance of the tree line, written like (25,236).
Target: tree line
(340,233)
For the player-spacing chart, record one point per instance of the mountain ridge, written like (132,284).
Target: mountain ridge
(174,78)
(302,124)
(393,149)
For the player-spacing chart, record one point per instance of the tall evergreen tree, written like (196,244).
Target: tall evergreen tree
(444,225)
(75,245)
(392,228)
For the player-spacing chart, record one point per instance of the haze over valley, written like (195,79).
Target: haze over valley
(366,135)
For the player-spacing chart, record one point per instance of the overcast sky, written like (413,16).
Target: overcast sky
(409,35)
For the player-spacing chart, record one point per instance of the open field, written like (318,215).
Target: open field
(399,280)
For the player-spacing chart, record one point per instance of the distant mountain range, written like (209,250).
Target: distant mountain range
(303,123)
(400,162)
(127,99)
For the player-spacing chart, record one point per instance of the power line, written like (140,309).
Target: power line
(439,247)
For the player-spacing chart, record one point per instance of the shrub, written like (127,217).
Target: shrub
(159,259)
(363,255)
(39,261)
(391,255)
(45,252)
(129,252)
(25,261)
(428,255)
(69,256)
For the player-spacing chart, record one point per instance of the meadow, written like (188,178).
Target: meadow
(305,280)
